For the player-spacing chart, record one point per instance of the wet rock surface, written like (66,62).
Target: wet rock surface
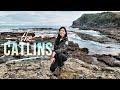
(84,70)
(113,33)
(73,69)
(79,53)
(104,39)
(110,60)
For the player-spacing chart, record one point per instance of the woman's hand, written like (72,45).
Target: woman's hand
(53,54)
(52,57)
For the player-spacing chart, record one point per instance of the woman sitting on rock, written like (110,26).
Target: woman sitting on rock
(60,51)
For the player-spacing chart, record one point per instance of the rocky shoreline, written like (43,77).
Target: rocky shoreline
(80,65)
(113,33)
(73,69)
(107,23)
(103,39)
(112,36)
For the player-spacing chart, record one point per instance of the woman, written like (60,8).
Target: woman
(60,51)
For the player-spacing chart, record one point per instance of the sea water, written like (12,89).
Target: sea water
(94,47)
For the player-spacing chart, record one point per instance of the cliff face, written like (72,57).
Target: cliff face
(99,20)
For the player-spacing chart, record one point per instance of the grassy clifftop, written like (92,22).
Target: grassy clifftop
(105,19)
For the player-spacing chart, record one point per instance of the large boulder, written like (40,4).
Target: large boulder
(109,60)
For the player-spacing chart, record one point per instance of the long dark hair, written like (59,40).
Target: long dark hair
(65,38)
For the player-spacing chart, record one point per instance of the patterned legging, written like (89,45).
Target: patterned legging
(60,58)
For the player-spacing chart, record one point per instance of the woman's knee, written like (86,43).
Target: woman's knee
(59,55)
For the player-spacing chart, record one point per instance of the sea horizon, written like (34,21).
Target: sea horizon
(5,28)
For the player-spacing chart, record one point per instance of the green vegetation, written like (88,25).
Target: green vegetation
(99,19)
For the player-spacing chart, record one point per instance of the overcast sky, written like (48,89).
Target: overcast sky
(46,18)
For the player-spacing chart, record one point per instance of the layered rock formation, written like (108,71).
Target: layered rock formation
(73,69)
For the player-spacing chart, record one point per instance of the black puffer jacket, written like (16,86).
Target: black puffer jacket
(61,46)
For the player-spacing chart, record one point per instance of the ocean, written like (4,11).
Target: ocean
(8,28)
(94,47)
